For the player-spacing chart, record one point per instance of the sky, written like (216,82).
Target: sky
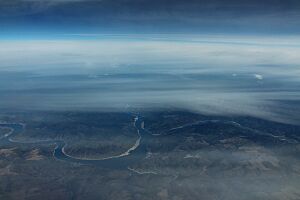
(223,57)
(49,18)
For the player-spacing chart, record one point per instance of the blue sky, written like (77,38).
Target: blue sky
(46,18)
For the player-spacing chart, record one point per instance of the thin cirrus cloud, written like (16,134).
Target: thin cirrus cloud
(221,75)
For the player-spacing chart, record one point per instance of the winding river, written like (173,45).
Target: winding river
(136,153)
(122,161)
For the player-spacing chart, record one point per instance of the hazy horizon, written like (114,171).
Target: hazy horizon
(255,76)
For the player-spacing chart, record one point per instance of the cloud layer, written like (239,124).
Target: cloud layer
(221,75)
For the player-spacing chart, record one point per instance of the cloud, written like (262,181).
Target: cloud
(258,76)
(193,74)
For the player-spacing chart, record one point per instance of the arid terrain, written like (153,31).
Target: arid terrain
(181,155)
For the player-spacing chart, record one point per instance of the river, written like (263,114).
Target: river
(133,155)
